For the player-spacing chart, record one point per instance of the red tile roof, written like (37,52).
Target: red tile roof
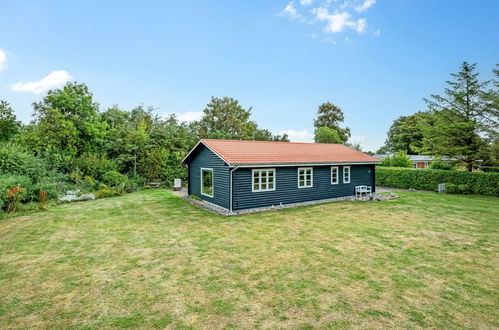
(241,152)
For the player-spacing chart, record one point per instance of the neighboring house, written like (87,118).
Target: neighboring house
(418,161)
(238,175)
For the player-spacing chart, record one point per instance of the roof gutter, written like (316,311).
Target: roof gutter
(304,164)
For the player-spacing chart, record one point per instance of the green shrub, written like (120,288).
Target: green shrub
(8,182)
(399,159)
(114,179)
(105,191)
(15,161)
(95,166)
(451,188)
(464,189)
(478,183)
(490,169)
(55,185)
(440,165)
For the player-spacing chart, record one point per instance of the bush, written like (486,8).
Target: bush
(478,183)
(105,191)
(114,179)
(9,182)
(15,161)
(440,165)
(55,185)
(13,192)
(490,169)
(399,159)
(95,166)
(451,188)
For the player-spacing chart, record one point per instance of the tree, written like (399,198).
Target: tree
(354,145)
(9,126)
(226,118)
(330,116)
(461,116)
(327,135)
(74,104)
(406,133)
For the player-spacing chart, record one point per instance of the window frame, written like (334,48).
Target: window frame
(349,174)
(260,170)
(337,174)
(305,178)
(212,181)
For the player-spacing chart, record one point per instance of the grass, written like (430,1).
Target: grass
(150,260)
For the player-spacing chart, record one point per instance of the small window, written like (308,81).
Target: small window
(346,174)
(415,165)
(305,177)
(334,175)
(263,180)
(207,182)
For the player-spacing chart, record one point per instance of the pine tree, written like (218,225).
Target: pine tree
(461,117)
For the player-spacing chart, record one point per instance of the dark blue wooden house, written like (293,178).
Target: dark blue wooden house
(237,174)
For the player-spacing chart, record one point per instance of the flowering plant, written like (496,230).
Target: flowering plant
(15,196)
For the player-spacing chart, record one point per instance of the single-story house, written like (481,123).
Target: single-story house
(420,161)
(238,174)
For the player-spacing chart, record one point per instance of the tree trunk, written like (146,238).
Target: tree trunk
(469,166)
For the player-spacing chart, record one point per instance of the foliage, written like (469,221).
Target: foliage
(9,126)
(74,108)
(105,191)
(399,159)
(478,183)
(439,164)
(490,169)
(356,146)
(460,117)
(327,135)
(114,179)
(13,191)
(331,116)
(16,161)
(95,166)
(406,133)
(43,195)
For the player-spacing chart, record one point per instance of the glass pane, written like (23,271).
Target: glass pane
(207,179)
(264,174)
(255,186)
(271,185)
(302,183)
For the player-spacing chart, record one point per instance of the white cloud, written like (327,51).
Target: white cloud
(299,136)
(53,80)
(190,116)
(3,60)
(335,16)
(337,21)
(365,5)
(291,11)
(360,25)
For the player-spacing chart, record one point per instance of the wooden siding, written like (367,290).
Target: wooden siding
(287,190)
(205,158)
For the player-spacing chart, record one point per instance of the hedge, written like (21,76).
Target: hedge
(428,179)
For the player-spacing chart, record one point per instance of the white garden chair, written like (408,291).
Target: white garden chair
(360,190)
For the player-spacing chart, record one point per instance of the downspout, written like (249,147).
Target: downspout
(230,188)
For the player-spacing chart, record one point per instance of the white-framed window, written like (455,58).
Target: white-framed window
(305,177)
(335,175)
(263,180)
(346,174)
(207,179)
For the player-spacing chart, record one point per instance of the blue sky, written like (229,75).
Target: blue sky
(374,59)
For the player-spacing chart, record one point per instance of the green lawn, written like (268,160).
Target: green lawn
(151,260)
